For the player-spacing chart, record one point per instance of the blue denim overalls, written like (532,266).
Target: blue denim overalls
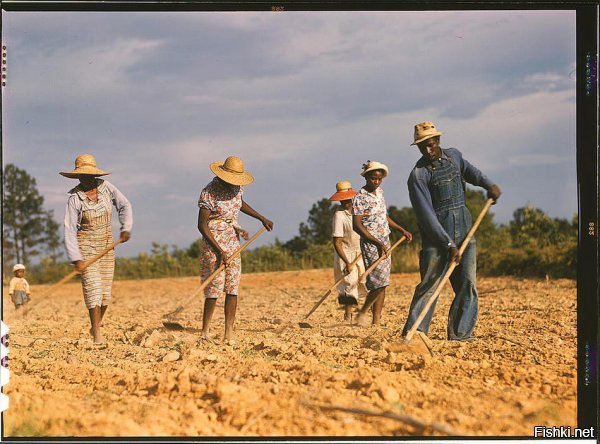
(448,198)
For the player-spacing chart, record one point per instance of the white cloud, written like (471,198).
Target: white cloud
(72,73)
(538,124)
(539,159)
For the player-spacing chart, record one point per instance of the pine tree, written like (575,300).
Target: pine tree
(28,230)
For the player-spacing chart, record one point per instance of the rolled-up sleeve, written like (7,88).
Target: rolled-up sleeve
(123,207)
(71,223)
(420,199)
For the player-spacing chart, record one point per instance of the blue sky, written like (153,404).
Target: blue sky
(304,98)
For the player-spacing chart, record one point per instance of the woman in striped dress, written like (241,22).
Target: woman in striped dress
(88,231)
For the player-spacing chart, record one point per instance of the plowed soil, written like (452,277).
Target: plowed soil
(283,380)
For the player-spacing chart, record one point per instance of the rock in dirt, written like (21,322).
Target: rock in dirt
(225,390)
(171,356)
(390,394)
(152,340)
(210,358)
(183,381)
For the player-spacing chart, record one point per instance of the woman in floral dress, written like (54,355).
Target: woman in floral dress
(220,203)
(371,221)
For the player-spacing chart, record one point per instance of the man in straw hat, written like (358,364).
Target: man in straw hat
(371,221)
(220,203)
(88,231)
(346,244)
(436,189)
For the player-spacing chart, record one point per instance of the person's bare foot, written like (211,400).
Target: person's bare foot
(362,320)
(99,339)
(204,338)
(228,336)
(348,313)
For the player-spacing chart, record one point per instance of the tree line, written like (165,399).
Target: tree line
(531,244)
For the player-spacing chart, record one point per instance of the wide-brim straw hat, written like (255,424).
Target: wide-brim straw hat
(18,267)
(344,191)
(85,164)
(424,131)
(232,171)
(372,165)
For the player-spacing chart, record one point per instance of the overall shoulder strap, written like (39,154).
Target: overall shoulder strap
(453,162)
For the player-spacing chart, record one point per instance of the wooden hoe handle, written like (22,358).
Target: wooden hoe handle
(209,279)
(85,265)
(371,268)
(353,263)
(451,268)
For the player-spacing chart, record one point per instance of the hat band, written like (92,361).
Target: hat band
(229,170)
(344,190)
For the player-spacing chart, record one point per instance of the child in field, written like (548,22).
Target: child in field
(19,287)
(346,244)
(371,221)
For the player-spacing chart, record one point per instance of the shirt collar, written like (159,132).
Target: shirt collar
(378,191)
(444,156)
(79,192)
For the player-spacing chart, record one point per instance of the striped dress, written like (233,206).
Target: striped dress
(89,224)
(94,235)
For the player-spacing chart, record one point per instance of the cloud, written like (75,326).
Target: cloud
(303,97)
(539,159)
(87,74)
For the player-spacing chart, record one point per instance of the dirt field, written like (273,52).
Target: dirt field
(520,372)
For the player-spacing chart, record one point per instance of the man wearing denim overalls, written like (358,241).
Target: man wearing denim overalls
(436,189)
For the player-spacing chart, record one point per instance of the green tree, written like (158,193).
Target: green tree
(487,234)
(317,229)
(407,219)
(28,230)
(533,226)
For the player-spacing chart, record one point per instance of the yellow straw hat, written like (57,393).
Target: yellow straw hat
(344,191)
(232,171)
(85,164)
(424,131)
(372,165)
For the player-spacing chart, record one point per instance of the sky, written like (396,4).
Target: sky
(304,98)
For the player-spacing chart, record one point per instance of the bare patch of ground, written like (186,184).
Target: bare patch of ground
(149,381)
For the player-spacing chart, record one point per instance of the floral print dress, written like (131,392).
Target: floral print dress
(224,202)
(373,210)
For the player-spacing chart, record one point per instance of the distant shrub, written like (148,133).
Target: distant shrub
(557,261)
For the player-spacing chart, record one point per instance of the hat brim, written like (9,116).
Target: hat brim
(363,174)
(244,178)
(76,174)
(429,136)
(343,195)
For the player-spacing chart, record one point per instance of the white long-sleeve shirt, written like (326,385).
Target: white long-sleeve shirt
(74,210)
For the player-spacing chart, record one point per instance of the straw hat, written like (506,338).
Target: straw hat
(372,165)
(424,131)
(232,171)
(344,191)
(18,267)
(84,164)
